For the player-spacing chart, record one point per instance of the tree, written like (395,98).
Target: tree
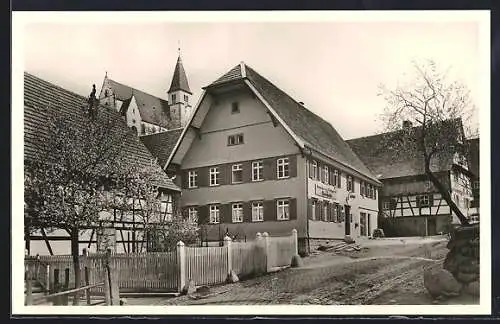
(438,107)
(82,160)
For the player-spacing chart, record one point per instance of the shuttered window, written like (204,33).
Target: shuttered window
(237,213)
(257,211)
(283,167)
(214,217)
(283,209)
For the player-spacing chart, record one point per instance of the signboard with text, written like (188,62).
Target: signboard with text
(325,192)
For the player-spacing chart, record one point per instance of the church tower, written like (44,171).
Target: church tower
(179,96)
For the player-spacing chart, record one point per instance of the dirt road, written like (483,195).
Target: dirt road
(378,275)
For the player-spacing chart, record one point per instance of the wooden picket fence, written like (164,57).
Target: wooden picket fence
(171,271)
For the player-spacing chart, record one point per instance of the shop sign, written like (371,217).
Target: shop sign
(325,192)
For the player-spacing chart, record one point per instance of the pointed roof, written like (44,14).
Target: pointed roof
(179,80)
(306,128)
(42,99)
(161,144)
(152,109)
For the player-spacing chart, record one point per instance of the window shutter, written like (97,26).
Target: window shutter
(247,212)
(309,208)
(319,171)
(374,192)
(269,210)
(329,217)
(225,213)
(292,160)
(203,213)
(418,201)
(310,166)
(185,179)
(318,210)
(247,171)
(269,169)
(203,177)
(293,208)
(223,174)
(330,176)
(339,180)
(431,200)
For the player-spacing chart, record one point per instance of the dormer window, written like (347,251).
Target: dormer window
(186,98)
(106,93)
(235,108)
(173,98)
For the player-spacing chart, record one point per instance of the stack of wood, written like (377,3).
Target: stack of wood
(462,259)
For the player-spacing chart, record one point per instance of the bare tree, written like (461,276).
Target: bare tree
(439,108)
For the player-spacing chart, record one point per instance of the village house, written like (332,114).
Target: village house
(41,99)
(252,159)
(410,205)
(148,114)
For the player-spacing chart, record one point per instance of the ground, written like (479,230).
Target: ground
(382,272)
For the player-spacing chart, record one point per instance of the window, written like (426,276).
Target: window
(106,93)
(326,175)
(349,184)
(214,176)
(313,209)
(423,201)
(475,185)
(314,170)
(283,208)
(173,98)
(186,98)
(362,189)
(237,170)
(283,168)
(386,205)
(192,176)
(336,179)
(235,139)
(192,215)
(257,212)
(257,171)
(455,176)
(235,108)
(214,214)
(335,216)
(237,213)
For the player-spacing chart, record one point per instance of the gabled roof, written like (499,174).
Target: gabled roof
(162,144)
(474,156)
(308,129)
(152,109)
(179,80)
(42,98)
(386,163)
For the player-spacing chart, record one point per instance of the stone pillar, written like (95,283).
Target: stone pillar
(228,243)
(181,260)
(295,242)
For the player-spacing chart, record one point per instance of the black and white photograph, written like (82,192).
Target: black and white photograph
(251,162)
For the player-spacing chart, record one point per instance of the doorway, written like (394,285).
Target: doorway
(347,212)
(431,226)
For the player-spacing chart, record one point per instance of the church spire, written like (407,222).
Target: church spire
(179,79)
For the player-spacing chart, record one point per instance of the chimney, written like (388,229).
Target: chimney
(407,124)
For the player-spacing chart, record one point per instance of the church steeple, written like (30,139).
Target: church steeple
(179,96)
(179,80)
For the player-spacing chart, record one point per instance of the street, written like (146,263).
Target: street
(378,274)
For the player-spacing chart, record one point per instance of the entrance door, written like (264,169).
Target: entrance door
(431,226)
(347,211)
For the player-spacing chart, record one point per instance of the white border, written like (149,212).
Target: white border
(19,19)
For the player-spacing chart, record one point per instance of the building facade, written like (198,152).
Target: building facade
(474,168)
(410,205)
(148,114)
(253,160)
(123,230)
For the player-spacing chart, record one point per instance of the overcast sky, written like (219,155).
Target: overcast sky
(333,67)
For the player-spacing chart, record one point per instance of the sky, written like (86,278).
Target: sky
(334,67)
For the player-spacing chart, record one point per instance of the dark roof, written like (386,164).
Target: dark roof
(153,110)
(386,163)
(474,156)
(42,99)
(179,80)
(313,130)
(161,144)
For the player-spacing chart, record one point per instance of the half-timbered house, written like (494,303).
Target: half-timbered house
(123,229)
(410,205)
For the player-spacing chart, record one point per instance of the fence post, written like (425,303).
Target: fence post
(65,298)
(295,242)
(107,288)
(227,242)
(29,292)
(181,259)
(265,237)
(113,280)
(87,291)
(56,287)
(47,279)
(258,247)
